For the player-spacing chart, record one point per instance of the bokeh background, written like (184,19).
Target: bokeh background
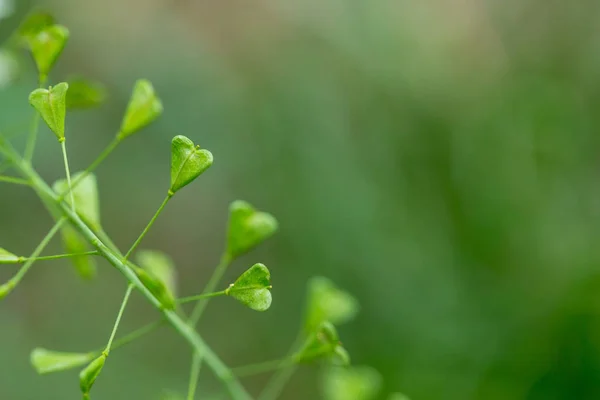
(438,159)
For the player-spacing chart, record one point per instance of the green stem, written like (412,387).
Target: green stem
(147,228)
(118,321)
(67,172)
(54,257)
(105,153)
(193,383)
(200,297)
(138,333)
(59,256)
(33,131)
(210,287)
(199,310)
(260,368)
(278,382)
(14,281)
(50,198)
(16,181)
(275,386)
(106,239)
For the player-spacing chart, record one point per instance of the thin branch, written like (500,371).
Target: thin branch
(199,346)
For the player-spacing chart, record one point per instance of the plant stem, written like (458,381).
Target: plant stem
(210,287)
(68,172)
(260,368)
(54,257)
(200,297)
(138,333)
(193,383)
(105,153)
(50,199)
(276,384)
(33,131)
(147,228)
(16,181)
(197,314)
(14,281)
(30,147)
(118,321)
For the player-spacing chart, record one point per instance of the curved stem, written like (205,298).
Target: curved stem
(210,287)
(68,172)
(105,153)
(54,257)
(276,385)
(14,281)
(33,131)
(138,333)
(16,181)
(280,379)
(197,297)
(118,321)
(147,228)
(50,199)
(199,310)
(193,383)
(261,368)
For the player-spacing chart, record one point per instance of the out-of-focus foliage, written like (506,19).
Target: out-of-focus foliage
(439,160)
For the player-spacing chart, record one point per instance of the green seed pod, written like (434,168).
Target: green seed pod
(50,103)
(143,108)
(247,228)
(47,361)
(88,376)
(253,288)
(188,161)
(46,46)
(156,287)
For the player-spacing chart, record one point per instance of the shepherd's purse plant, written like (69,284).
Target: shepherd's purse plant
(73,203)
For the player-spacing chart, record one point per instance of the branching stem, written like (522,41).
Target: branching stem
(118,320)
(201,296)
(16,181)
(147,228)
(68,172)
(51,200)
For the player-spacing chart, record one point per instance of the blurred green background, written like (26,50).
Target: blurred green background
(440,160)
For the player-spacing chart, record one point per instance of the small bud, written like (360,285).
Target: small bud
(323,345)
(354,383)
(187,162)
(7,257)
(46,46)
(253,288)
(74,243)
(47,361)
(156,287)
(87,376)
(143,108)
(328,303)
(84,94)
(247,228)
(86,197)
(50,103)
(161,266)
